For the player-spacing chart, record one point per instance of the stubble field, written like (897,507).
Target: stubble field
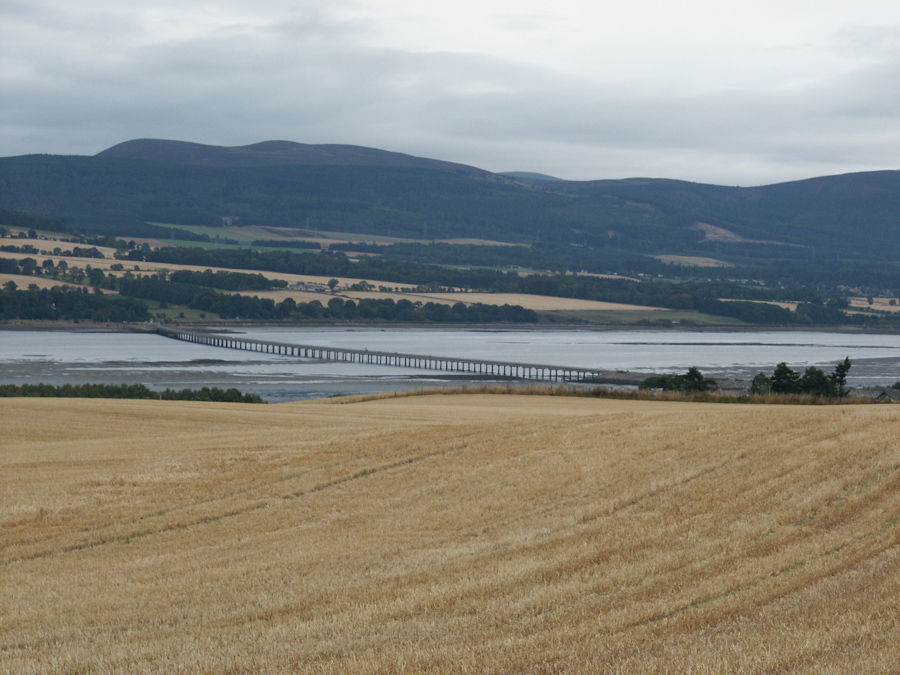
(452,534)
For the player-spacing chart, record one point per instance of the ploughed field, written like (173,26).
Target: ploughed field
(452,534)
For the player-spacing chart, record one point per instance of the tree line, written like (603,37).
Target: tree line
(697,296)
(68,303)
(693,381)
(783,381)
(13,218)
(748,304)
(63,303)
(231,306)
(812,382)
(127,391)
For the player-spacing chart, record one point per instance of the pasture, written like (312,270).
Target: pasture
(452,534)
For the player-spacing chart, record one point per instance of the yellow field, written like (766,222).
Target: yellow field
(535,302)
(153,267)
(792,306)
(448,534)
(23,281)
(539,303)
(50,244)
(880,304)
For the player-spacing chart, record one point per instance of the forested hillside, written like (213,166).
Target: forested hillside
(131,189)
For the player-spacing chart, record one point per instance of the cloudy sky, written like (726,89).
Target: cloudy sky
(720,91)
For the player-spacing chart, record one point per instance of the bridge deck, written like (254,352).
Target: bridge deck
(505,369)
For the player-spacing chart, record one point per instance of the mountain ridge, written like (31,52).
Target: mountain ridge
(345,188)
(273,153)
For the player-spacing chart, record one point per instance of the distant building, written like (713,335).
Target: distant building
(309,288)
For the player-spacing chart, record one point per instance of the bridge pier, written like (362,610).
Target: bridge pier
(520,371)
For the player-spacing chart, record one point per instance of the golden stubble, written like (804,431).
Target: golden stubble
(468,533)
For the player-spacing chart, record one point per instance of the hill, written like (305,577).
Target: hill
(448,534)
(850,215)
(349,189)
(530,175)
(122,195)
(273,153)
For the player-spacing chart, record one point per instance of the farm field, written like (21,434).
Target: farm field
(24,281)
(535,302)
(153,267)
(879,304)
(452,534)
(62,245)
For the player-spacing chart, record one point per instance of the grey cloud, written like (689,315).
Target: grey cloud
(309,77)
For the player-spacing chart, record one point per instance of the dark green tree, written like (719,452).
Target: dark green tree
(95,276)
(693,380)
(761,385)
(785,380)
(839,377)
(814,382)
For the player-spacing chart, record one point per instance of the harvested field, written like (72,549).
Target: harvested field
(535,302)
(880,304)
(50,244)
(23,281)
(451,534)
(153,267)
(538,303)
(792,306)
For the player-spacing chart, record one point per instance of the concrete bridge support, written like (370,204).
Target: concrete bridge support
(518,371)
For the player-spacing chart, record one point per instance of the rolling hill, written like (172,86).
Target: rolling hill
(362,190)
(271,153)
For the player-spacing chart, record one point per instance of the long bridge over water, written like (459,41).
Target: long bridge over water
(501,369)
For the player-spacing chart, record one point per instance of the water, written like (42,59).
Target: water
(58,357)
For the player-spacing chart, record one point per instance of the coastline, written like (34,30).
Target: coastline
(622,357)
(222,327)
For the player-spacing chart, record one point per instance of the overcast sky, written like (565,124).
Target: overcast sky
(719,91)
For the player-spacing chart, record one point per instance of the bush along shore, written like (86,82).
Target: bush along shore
(132,391)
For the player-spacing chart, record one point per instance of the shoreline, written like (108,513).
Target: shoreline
(78,357)
(223,327)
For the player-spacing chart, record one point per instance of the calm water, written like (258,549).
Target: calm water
(58,357)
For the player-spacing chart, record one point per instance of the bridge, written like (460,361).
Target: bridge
(500,369)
